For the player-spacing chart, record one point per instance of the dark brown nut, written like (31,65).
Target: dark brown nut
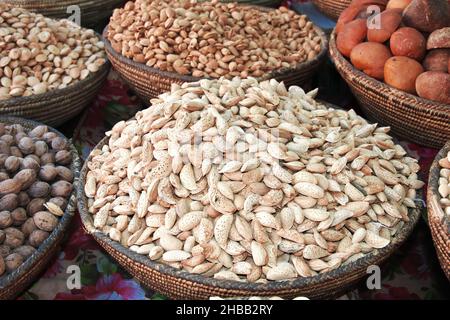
(3,158)
(60,202)
(63,157)
(49,136)
(38,132)
(9,202)
(65,173)
(40,148)
(13,261)
(4,148)
(12,164)
(37,237)
(59,144)
(35,205)
(15,151)
(25,251)
(24,199)
(44,220)
(2,266)
(3,176)
(19,136)
(47,158)
(14,237)
(10,186)
(26,145)
(61,189)
(30,163)
(39,189)
(28,227)
(4,250)
(26,178)
(9,139)
(48,173)
(5,219)
(19,216)
(2,236)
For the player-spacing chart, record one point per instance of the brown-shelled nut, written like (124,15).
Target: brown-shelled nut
(61,189)
(37,237)
(59,143)
(19,136)
(2,236)
(44,220)
(25,251)
(60,202)
(9,139)
(3,176)
(12,164)
(23,199)
(63,157)
(34,157)
(48,173)
(4,148)
(35,205)
(39,189)
(2,266)
(9,202)
(14,237)
(19,216)
(30,163)
(10,186)
(40,148)
(5,219)
(4,249)
(15,151)
(3,158)
(26,177)
(65,173)
(13,261)
(28,227)
(49,136)
(38,132)
(16,128)
(47,158)
(2,129)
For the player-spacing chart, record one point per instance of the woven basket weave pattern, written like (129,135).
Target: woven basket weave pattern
(439,222)
(332,8)
(412,118)
(13,284)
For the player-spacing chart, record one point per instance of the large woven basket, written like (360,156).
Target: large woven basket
(412,118)
(437,219)
(150,82)
(183,285)
(57,106)
(15,283)
(92,12)
(332,8)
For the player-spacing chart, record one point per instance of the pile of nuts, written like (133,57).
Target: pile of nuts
(35,184)
(444,183)
(39,54)
(212,39)
(246,180)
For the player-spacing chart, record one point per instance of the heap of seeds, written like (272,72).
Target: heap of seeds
(444,183)
(244,180)
(39,54)
(212,39)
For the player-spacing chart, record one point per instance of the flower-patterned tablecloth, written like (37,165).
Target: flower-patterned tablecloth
(412,273)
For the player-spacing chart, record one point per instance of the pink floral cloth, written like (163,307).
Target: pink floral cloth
(412,273)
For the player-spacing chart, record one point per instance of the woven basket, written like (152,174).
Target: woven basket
(151,82)
(183,285)
(16,282)
(412,118)
(57,106)
(93,12)
(437,219)
(332,8)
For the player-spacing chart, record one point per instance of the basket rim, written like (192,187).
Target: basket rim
(297,283)
(405,98)
(189,78)
(64,222)
(49,95)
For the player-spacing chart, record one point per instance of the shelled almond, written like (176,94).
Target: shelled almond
(444,183)
(212,39)
(246,180)
(39,54)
